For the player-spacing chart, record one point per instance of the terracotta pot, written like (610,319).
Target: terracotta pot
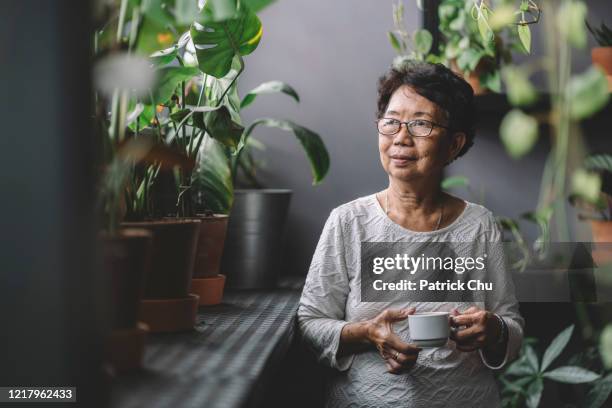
(602,241)
(602,56)
(174,248)
(211,241)
(125,347)
(126,259)
(170,315)
(210,290)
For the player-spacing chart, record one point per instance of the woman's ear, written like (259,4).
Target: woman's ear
(458,140)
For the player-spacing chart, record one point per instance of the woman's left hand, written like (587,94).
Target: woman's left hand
(474,329)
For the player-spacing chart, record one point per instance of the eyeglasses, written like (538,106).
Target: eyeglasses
(416,127)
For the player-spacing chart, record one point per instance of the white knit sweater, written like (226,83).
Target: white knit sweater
(442,377)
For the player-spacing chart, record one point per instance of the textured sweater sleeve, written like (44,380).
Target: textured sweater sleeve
(322,306)
(502,300)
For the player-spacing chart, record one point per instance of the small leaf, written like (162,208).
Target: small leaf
(571,375)
(422,41)
(502,17)
(532,358)
(586,185)
(394,42)
(491,80)
(534,393)
(556,347)
(605,346)
(222,128)
(599,162)
(164,57)
(519,133)
(483,26)
(524,33)
(600,392)
(455,181)
(268,88)
(213,177)
(520,90)
(588,93)
(520,368)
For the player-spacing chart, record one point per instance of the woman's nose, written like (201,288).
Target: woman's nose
(403,136)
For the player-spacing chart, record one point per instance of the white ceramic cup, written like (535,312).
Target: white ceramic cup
(429,329)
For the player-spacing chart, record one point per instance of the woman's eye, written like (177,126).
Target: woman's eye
(390,122)
(419,123)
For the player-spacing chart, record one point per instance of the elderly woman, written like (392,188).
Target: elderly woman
(426,118)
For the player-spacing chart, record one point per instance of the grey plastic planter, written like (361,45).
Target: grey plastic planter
(253,248)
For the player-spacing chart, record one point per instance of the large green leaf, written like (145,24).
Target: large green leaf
(168,79)
(185,11)
(217,42)
(571,375)
(519,133)
(257,5)
(212,179)
(267,88)
(588,93)
(311,142)
(556,347)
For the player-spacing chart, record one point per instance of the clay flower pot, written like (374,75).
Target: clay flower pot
(602,56)
(602,241)
(211,241)
(207,282)
(168,304)
(126,259)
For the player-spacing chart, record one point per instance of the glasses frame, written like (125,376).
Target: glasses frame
(407,124)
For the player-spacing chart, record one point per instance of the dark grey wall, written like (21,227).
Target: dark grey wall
(332,52)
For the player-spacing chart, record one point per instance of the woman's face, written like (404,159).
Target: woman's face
(408,158)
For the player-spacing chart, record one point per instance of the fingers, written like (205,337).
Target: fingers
(395,343)
(466,334)
(399,362)
(396,315)
(394,367)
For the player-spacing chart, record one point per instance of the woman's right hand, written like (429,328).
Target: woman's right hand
(399,355)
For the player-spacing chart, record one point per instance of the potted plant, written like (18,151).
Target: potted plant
(140,28)
(602,55)
(592,195)
(248,257)
(523,381)
(478,38)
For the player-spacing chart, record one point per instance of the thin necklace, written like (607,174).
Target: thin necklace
(439,218)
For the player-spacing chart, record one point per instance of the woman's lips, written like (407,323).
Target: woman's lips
(401,160)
